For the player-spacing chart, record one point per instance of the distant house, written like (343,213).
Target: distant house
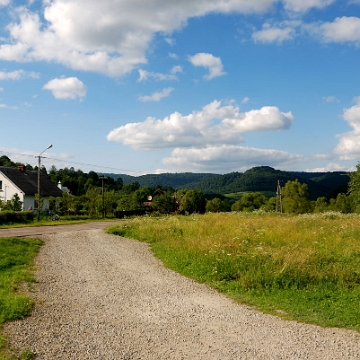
(25,183)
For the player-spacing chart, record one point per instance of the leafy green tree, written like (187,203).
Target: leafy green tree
(295,197)
(193,201)
(139,196)
(250,202)
(110,201)
(354,188)
(94,201)
(342,203)
(124,202)
(321,205)
(164,202)
(15,203)
(214,205)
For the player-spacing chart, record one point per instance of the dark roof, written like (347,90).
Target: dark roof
(26,181)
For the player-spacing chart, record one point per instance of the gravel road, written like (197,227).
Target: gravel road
(103,297)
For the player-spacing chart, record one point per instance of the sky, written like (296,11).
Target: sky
(155,86)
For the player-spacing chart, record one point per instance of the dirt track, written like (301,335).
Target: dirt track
(101,296)
(42,230)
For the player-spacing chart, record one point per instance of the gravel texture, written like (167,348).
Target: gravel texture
(101,296)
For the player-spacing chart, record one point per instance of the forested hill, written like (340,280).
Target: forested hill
(262,178)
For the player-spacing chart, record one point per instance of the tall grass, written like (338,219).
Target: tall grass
(16,265)
(300,267)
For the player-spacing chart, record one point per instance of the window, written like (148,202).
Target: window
(0,185)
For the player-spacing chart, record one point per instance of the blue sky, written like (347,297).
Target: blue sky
(134,86)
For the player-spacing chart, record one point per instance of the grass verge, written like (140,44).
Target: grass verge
(16,268)
(304,268)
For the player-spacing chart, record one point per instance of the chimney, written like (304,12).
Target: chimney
(21,168)
(59,185)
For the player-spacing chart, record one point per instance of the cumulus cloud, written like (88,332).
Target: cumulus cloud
(349,143)
(341,30)
(18,74)
(213,125)
(270,34)
(4,2)
(146,75)
(109,37)
(305,5)
(66,88)
(226,158)
(157,96)
(212,63)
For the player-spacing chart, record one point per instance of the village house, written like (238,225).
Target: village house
(25,183)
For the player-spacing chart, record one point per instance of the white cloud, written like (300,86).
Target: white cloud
(330,99)
(157,96)
(305,5)
(227,158)
(270,34)
(66,88)
(209,61)
(109,37)
(146,75)
(173,56)
(328,167)
(4,2)
(349,143)
(1,89)
(213,125)
(170,41)
(341,30)
(18,74)
(4,106)
(245,100)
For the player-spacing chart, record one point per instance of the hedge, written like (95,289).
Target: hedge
(16,216)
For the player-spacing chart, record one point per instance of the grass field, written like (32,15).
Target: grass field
(305,268)
(16,268)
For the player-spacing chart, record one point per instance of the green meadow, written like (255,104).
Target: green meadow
(300,267)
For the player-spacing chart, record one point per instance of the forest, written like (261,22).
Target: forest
(101,194)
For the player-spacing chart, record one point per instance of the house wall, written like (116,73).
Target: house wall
(29,200)
(8,190)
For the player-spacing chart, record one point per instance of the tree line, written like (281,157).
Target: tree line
(92,195)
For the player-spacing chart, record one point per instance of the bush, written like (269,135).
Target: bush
(16,216)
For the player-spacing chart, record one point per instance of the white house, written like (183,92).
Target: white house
(25,183)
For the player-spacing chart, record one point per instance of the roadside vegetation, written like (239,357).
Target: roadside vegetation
(16,273)
(300,267)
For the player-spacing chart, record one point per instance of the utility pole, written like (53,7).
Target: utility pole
(38,184)
(278,198)
(102,192)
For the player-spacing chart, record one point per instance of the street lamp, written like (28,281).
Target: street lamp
(39,165)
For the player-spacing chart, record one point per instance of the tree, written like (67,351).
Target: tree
(250,202)
(321,205)
(164,202)
(16,204)
(193,201)
(354,187)
(214,205)
(295,197)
